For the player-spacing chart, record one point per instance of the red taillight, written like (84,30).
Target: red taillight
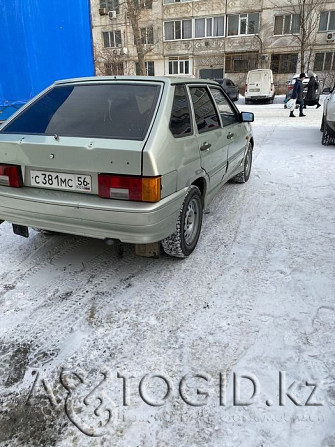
(246,87)
(10,176)
(290,87)
(272,86)
(124,187)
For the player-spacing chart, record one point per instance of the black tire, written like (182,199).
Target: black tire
(328,135)
(181,243)
(325,136)
(243,176)
(246,101)
(322,123)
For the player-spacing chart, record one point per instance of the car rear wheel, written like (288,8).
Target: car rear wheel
(322,123)
(181,243)
(328,134)
(243,176)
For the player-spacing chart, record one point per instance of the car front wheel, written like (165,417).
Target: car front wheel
(181,243)
(243,176)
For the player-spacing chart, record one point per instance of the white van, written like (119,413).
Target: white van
(259,86)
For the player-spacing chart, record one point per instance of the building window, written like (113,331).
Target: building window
(114,69)
(178,29)
(287,24)
(209,27)
(241,24)
(240,63)
(110,5)
(145,4)
(324,61)
(179,65)
(284,63)
(147,35)
(197,28)
(112,39)
(149,68)
(327,21)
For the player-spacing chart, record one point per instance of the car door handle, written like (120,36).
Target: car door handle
(230,135)
(205,147)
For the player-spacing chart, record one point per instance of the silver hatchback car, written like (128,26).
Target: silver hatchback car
(133,159)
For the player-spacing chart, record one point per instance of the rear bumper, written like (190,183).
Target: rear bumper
(259,97)
(132,222)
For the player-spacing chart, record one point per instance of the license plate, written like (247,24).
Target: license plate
(60,180)
(254,90)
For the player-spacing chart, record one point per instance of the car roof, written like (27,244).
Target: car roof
(296,76)
(260,69)
(169,80)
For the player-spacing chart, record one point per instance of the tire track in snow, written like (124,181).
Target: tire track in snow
(62,312)
(36,260)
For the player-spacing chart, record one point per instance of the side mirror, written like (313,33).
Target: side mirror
(326,90)
(247,117)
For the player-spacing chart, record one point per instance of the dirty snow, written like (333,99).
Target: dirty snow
(256,299)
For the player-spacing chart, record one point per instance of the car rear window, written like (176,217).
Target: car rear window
(122,111)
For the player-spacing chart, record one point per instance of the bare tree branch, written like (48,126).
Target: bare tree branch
(308,12)
(107,59)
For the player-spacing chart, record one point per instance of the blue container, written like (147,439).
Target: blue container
(41,41)
(8,108)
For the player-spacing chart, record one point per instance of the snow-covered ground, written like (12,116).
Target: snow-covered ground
(99,348)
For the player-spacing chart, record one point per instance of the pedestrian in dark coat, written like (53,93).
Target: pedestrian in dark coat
(312,86)
(297,94)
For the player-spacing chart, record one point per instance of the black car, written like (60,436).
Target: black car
(229,87)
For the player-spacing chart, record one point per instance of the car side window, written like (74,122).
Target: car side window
(227,113)
(180,121)
(204,110)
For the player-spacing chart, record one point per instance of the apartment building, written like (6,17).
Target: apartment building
(215,38)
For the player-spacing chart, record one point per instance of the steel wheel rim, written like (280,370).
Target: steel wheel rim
(191,222)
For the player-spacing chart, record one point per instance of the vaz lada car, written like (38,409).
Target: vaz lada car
(132,159)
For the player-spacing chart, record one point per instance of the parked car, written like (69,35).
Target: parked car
(328,120)
(259,86)
(229,87)
(290,85)
(133,159)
